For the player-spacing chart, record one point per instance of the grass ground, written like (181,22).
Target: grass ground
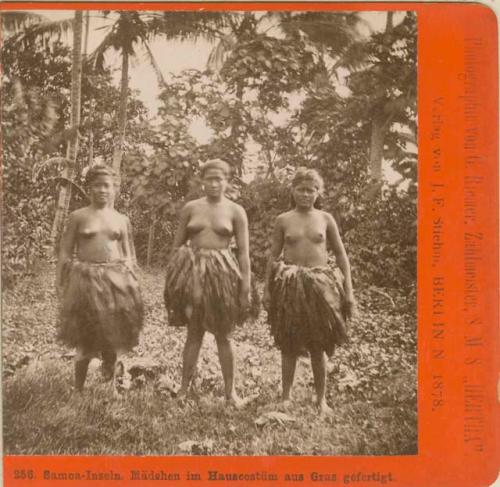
(371,387)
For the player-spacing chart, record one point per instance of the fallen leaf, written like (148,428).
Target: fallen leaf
(274,416)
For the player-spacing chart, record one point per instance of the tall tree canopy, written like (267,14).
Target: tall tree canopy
(280,90)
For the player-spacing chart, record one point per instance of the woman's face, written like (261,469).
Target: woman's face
(305,194)
(102,190)
(214,182)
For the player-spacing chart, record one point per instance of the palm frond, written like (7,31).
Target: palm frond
(191,25)
(64,180)
(156,67)
(43,31)
(221,52)
(97,56)
(333,30)
(37,168)
(15,22)
(353,57)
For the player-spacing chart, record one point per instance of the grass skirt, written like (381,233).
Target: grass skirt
(306,308)
(102,307)
(208,282)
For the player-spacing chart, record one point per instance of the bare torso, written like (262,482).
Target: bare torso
(304,237)
(100,235)
(210,225)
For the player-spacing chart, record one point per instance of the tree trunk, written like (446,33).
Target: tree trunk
(64,197)
(90,160)
(389,22)
(122,115)
(86,42)
(236,125)
(380,124)
(151,238)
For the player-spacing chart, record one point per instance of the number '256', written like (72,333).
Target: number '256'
(23,474)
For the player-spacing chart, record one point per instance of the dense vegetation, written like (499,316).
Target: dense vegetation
(341,102)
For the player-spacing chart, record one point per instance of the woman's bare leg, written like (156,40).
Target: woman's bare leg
(288,365)
(318,363)
(190,357)
(82,360)
(119,371)
(108,363)
(226,359)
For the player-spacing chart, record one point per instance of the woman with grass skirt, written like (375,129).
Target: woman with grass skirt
(308,301)
(207,287)
(101,305)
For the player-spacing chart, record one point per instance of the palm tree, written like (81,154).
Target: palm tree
(330,34)
(386,86)
(336,35)
(134,28)
(64,197)
(387,110)
(126,31)
(15,22)
(129,28)
(22,29)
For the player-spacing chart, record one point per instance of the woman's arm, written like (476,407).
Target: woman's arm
(338,248)
(66,248)
(242,241)
(274,253)
(128,247)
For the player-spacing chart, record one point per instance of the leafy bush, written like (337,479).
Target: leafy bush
(263,200)
(27,203)
(383,244)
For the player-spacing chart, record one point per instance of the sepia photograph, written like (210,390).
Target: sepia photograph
(209,232)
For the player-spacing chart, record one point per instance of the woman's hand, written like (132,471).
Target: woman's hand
(350,308)
(133,267)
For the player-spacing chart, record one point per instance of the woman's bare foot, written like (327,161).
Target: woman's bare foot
(107,371)
(117,378)
(181,394)
(324,409)
(108,365)
(240,403)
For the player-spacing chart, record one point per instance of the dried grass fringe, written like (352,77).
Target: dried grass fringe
(307,308)
(208,281)
(102,306)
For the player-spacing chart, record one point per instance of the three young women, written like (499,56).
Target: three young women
(207,284)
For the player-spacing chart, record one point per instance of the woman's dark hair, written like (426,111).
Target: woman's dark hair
(216,164)
(101,170)
(304,174)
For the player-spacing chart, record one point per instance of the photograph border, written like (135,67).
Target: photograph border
(458,336)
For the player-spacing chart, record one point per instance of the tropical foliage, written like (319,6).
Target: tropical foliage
(281,89)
